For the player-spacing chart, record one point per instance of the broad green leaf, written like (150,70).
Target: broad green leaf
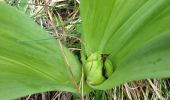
(135,33)
(31,60)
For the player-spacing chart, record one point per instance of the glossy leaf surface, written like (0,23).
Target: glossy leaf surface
(31,60)
(135,34)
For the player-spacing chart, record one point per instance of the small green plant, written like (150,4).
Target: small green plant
(122,40)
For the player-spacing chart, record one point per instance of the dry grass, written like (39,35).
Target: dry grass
(67,22)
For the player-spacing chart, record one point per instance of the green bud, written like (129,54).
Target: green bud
(93,69)
(96,70)
(108,68)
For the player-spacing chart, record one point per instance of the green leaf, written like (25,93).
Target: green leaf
(135,34)
(31,60)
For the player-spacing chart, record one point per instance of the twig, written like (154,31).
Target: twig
(61,48)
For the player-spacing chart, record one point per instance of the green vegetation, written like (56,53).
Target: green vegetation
(121,41)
